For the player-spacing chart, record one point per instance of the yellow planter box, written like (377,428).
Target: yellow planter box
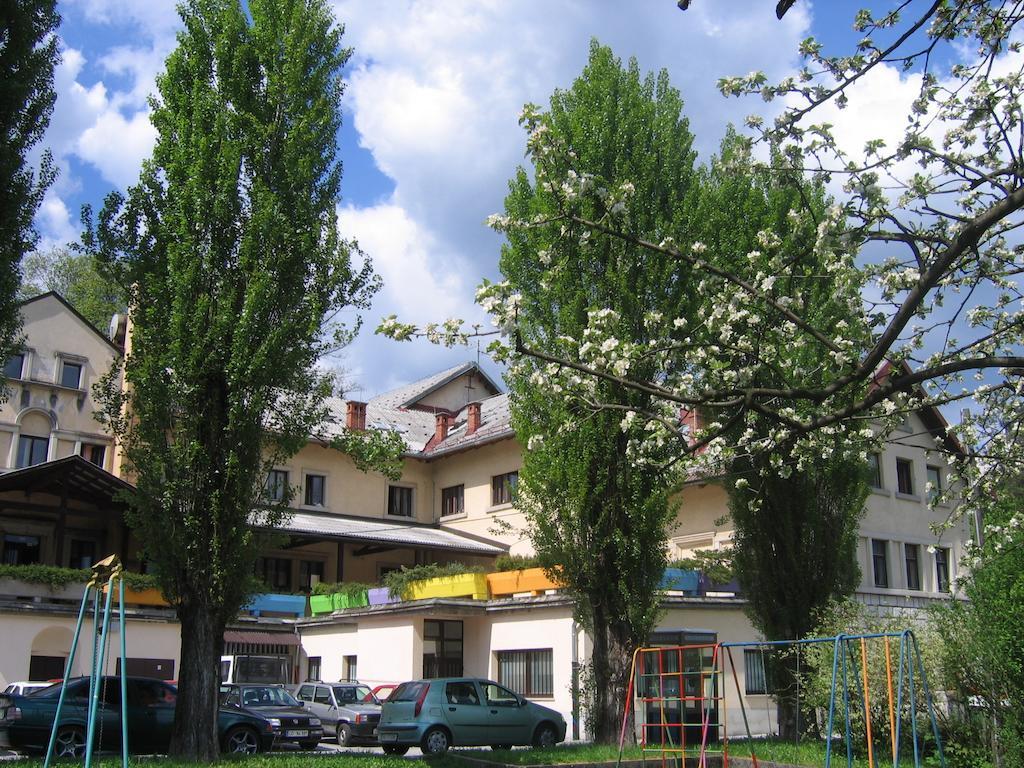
(151,596)
(530,580)
(465,585)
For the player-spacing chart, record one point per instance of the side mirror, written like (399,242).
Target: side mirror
(522,701)
(302,703)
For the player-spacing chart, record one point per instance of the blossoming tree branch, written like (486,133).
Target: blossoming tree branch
(918,249)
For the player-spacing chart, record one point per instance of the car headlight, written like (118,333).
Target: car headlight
(314,721)
(274,721)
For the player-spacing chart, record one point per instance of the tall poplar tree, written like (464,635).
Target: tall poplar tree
(231,256)
(28,54)
(598,510)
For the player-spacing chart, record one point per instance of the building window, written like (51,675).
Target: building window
(755,676)
(350,667)
(934,476)
(905,476)
(875,470)
(310,572)
(942,569)
(315,485)
(70,374)
(530,673)
(442,648)
(453,500)
(21,550)
(277,485)
(880,562)
(14,366)
(911,553)
(503,488)
(399,501)
(94,453)
(276,572)
(312,670)
(83,553)
(32,450)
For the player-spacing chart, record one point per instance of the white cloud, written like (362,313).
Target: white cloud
(117,146)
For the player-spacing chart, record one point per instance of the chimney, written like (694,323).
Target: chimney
(441,430)
(472,418)
(690,418)
(355,415)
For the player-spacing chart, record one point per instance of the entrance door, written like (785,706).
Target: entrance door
(43,668)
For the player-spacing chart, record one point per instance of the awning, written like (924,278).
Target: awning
(260,638)
(73,475)
(376,531)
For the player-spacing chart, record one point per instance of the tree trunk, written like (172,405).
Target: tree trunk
(194,736)
(610,661)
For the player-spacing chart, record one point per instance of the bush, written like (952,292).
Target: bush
(347,588)
(715,564)
(56,577)
(516,562)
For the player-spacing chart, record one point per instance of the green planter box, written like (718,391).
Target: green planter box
(357,600)
(321,604)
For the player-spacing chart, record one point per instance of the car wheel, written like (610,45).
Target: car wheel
(70,742)
(309,745)
(394,749)
(435,741)
(545,736)
(501,746)
(242,741)
(344,735)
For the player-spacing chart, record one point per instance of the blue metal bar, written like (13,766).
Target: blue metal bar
(93,683)
(124,674)
(94,702)
(832,701)
(67,675)
(809,640)
(928,701)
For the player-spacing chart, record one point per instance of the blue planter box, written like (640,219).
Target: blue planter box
(273,603)
(678,580)
(706,585)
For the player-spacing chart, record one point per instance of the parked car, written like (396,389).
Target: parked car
(382,692)
(437,714)
(29,719)
(289,721)
(26,689)
(349,709)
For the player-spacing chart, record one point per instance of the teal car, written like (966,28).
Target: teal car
(437,714)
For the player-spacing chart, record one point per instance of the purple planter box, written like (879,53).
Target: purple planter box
(381,596)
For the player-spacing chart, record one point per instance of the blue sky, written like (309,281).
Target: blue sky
(430,134)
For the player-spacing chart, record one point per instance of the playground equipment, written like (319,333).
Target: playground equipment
(678,700)
(105,574)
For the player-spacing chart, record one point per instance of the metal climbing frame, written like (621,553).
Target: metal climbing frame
(677,696)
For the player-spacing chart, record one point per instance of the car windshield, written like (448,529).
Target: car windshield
(351,694)
(267,696)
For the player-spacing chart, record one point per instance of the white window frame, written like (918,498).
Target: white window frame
(63,358)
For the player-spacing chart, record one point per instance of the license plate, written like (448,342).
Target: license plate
(296,734)
(389,737)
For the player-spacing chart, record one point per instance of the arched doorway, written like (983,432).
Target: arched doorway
(50,649)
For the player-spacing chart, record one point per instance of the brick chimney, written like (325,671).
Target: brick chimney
(355,415)
(472,418)
(441,430)
(691,419)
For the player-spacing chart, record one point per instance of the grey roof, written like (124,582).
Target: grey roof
(377,531)
(391,411)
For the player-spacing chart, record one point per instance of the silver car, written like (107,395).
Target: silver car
(348,708)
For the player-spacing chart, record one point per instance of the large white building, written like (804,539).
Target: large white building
(60,504)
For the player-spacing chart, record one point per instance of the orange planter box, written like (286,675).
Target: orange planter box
(151,596)
(530,580)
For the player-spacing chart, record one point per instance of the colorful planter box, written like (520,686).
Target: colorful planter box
(532,580)
(294,605)
(151,596)
(678,580)
(472,585)
(336,601)
(321,604)
(381,596)
(357,600)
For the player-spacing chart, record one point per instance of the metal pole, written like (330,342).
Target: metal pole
(67,674)
(124,673)
(832,700)
(95,700)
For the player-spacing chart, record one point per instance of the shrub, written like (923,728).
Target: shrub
(516,562)
(398,582)
(347,588)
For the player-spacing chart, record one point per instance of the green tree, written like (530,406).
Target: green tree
(75,277)
(229,250)
(796,515)
(28,54)
(598,511)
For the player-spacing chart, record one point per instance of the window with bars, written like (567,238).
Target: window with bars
(530,673)
(453,500)
(754,673)
(399,501)
(503,488)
